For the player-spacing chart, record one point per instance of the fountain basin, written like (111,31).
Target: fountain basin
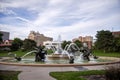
(109,60)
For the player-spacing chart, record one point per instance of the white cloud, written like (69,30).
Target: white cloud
(85,17)
(6,11)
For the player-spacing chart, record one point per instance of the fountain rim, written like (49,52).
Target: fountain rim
(61,65)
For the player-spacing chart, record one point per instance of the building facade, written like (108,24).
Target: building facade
(38,38)
(6,43)
(116,33)
(5,35)
(49,44)
(87,41)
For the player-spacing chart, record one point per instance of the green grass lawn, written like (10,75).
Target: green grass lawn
(18,53)
(97,53)
(9,75)
(110,54)
(75,75)
(110,73)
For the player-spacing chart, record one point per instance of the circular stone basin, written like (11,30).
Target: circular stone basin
(54,62)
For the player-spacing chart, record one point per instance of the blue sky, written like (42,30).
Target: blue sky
(68,18)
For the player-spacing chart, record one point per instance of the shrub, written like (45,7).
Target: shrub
(112,72)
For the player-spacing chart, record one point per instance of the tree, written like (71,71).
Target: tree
(65,43)
(16,44)
(117,44)
(78,43)
(1,37)
(105,40)
(28,44)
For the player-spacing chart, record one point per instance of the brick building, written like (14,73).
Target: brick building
(88,40)
(38,38)
(6,43)
(116,33)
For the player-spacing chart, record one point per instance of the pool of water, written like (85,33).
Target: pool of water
(31,60)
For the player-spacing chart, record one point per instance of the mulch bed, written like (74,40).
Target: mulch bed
(94,77)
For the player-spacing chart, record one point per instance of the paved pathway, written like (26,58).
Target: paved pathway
(42,73)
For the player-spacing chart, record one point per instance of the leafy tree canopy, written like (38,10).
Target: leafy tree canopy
(105,40)
(1,37)
(65,43)
(16,44)
(78,43)
(29,44)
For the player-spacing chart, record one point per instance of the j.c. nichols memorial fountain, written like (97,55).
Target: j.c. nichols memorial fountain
(71,55)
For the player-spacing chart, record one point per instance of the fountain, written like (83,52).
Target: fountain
(71,55)
(39,54)
(71,52)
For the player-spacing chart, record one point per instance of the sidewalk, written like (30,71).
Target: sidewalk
(42,73)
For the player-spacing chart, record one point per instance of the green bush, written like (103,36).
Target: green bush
(112,72)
